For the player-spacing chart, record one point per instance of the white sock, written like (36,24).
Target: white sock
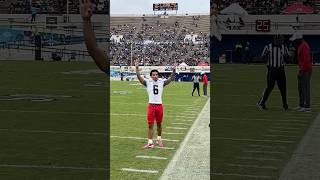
(150,141)
(159,138)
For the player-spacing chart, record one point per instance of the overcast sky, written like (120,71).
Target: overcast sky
(145,6)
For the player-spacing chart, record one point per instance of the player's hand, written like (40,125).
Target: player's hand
(136,61)
(85,9)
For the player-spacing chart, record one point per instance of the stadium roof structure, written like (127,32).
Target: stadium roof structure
(234,9)
(298,8)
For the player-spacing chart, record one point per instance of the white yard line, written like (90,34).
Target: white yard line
(266,146)
(52,167)
(253,166)
(53,112)
(304,163)
(242,175)
(141,138)
(186,124)
(265,120)
(253,140)
(279,135)
(264,152)
(139,170)
(192,159)
(152,157)
(282,131)
(144,115)
(52,132)
(179,120)
(145,104)
(176,133)
(259,159)
(285,128)
(169,148)
(177,128)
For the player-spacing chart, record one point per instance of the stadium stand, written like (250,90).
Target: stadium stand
(266,6)
(49,6)
(157,40)
(160,41)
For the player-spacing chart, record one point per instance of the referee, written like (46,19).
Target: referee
(196,85)
(275,53)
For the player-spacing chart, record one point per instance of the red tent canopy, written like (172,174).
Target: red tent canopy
(298,8)
(203,63)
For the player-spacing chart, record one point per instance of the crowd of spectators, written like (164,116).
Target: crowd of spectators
(262,6)
(159,44)
(54,6)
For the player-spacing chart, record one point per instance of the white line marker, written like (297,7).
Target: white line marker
(54,112)
(152,157)
(143,115)
(139,170)
(254,140)
(254,166)
(178,128)
(259,159)
(242,175)
(52,132)
(303,125)
(286,128)
(184,120)
(281,131)
(266,146)
(131,103)
(170,148)
(260,119)
(264,152)
(142,138)
(171,133)
(182,124)
(51,167)
(199,164)
(285,136)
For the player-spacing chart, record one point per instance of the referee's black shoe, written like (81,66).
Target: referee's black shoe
(261,106)
(285,107)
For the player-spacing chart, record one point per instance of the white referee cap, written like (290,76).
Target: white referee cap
(296,36)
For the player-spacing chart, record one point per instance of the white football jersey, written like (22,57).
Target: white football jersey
(155,89)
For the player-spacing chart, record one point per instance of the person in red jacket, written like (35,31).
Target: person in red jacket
(205,84)
(303,53)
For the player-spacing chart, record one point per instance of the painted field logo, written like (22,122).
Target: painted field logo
(32,97)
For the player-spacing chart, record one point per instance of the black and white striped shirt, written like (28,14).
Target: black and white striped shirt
(276,55)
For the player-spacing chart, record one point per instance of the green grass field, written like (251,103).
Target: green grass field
(67,138)
(249,143)
(128,119)
(64,139)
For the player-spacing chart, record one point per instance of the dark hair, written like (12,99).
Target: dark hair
(154,70)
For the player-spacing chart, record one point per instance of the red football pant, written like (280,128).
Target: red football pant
(155,112)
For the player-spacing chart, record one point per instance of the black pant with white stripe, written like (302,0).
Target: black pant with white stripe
(275,75)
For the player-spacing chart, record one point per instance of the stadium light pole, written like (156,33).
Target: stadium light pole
(131,52)
(67,11)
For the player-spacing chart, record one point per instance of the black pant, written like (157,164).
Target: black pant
(33,17)
(304,89)
(275,75)
(196,86)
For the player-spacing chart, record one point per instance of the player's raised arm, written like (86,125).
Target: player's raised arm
(172,76)
(140,78)
(96,53)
